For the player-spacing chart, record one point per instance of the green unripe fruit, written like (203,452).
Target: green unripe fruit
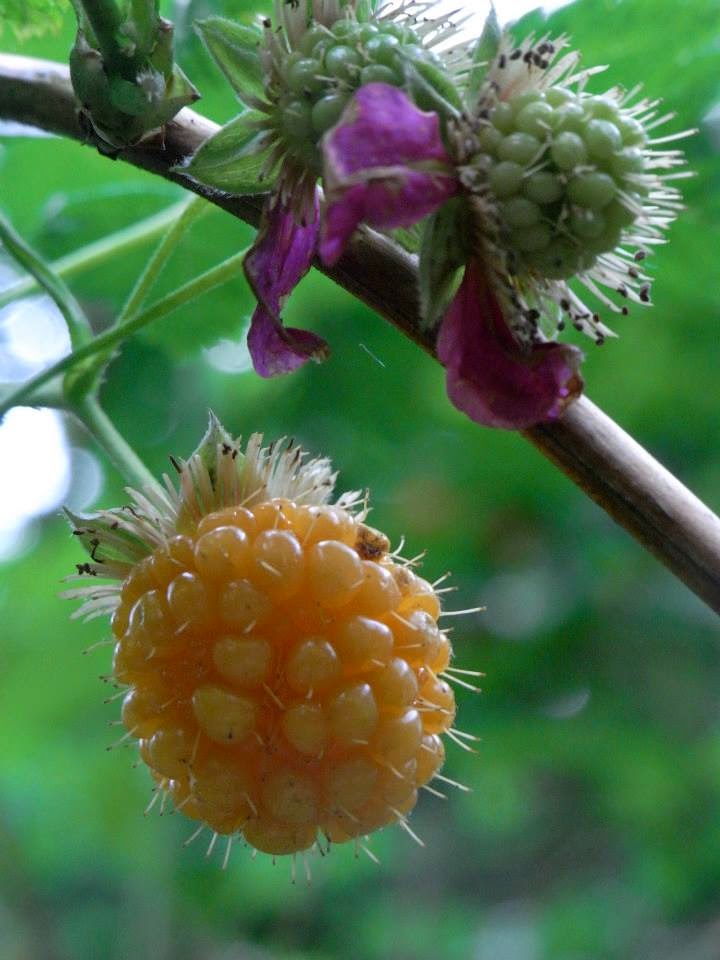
(297,119)
(519,147)
(533,238)
(558,261)
(556,96)
(310,40)
(535,119)
(302,76)
(630,160)
(586,224)
(505,179)
(311,85)
(523,100)
(383,49)
(569,116)
(377,73)
(632,132)
(593,190)
(558,161)
(503,118)
(604,108)
(520,212)
(342,62)
(617,215)
(490,139)
(327,111)
(543,187)
(602,138)
(568,150)
(404,34)
(607,240)
(368,31)
(343,28)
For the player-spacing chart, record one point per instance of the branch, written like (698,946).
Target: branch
(588,446)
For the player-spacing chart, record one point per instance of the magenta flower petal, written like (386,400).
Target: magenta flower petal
(491,377)
(280,257)
(276,349)
(384,163)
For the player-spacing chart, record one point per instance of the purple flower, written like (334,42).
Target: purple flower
(280,257)
(493,378)
(384,164)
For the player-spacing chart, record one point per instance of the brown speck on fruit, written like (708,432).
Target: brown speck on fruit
(371,544)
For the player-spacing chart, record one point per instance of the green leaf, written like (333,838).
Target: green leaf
(31,17)
(443,254)
(484,52)
(234,49)
(233,159)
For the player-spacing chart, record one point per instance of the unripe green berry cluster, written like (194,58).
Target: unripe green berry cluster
(559,164)
(330,64)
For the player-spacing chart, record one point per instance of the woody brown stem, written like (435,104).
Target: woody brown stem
(587,445)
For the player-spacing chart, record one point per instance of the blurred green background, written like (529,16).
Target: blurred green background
(593,828)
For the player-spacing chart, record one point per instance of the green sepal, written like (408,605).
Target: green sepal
(127,97)
(363,11)
(484,53)
(232,160)
(207,451)
(431,89)
(444,251)
(127,85)
(234,48)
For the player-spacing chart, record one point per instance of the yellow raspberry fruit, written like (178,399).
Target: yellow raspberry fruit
(283,668)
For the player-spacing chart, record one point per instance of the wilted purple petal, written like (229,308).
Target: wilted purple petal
(384,163)
(490,376)
(279,259)
(276,349)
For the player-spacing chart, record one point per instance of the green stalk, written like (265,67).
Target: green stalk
(189,211)
(107,341)
(105,20)
(118,450)
(189,291)
(94,253)
(77,323)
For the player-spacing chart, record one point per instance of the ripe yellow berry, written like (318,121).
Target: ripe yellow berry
(282,667)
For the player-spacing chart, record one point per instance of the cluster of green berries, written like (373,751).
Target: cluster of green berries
(567,170)
(330,64)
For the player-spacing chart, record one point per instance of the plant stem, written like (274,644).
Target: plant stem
(94,253)
(607,464)
(119,451)
(105,20)
(107,341)
(77,323)
(189,211)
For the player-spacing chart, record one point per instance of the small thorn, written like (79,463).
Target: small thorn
(461,613)
(452,783)
(194,835)
(226,858)
(211,845)
(402,822)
